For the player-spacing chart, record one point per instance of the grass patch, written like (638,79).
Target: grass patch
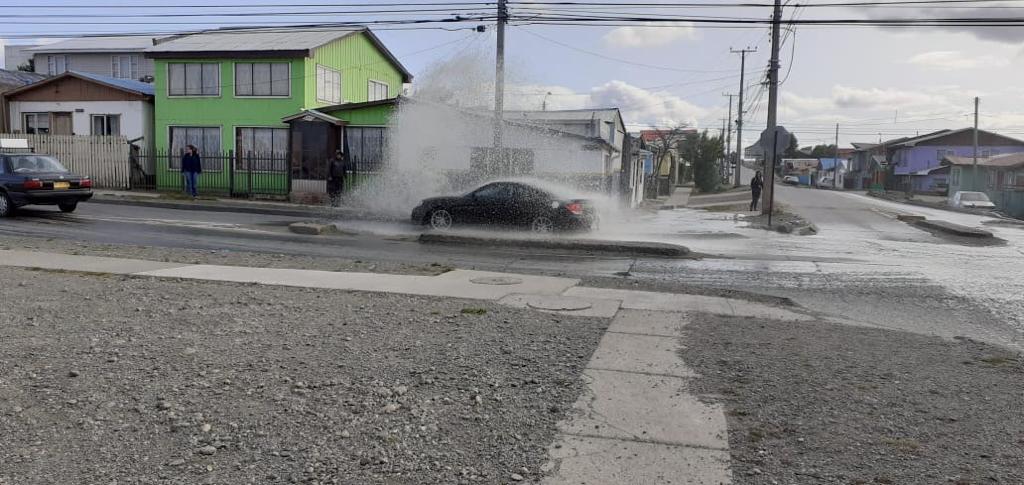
(474,311)
(998,360)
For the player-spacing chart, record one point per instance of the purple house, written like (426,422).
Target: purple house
(917,161)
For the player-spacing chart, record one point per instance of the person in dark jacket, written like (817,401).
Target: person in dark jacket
(756,184)
(336,178)
(191,167)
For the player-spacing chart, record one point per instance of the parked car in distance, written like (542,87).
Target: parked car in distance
(514,204)
(971,200)
(791,180)
(34,179)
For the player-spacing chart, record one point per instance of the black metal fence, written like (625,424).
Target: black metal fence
(229,174)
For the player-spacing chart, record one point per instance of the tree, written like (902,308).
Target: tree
(793,150)
(823,151)
(705,152)
(28,66)
(664,144)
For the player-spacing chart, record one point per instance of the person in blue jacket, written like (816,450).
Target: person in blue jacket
(191,167)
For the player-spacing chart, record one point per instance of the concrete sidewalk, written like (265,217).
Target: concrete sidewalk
(679,198)
(242,206)
(635,423)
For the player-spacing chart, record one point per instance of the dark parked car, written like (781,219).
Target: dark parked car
(30,178)
(508,204)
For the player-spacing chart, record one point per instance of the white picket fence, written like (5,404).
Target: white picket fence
(105,159)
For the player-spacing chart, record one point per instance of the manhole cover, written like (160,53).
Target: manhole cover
(558,305)
(497,281)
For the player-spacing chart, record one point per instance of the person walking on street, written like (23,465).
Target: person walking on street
(336,178)
(191,167)
(756,184)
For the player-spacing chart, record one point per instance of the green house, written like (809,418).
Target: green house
(227,91)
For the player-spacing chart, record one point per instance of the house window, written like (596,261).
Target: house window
(106,124)
(193,79)
(56,64)
(954,176)
(262,79)
(37,123)
(124,67)
(376,91)
(328,85)
(206,139)
(263,149)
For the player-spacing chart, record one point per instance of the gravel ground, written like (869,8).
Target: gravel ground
(226,258)
(112,379)
(821,403)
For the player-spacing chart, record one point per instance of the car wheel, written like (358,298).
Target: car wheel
(6,206)
(67,206)
(441,220)
(542,225)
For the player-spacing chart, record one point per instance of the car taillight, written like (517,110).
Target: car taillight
(575,208)
(85,183)
(33,184)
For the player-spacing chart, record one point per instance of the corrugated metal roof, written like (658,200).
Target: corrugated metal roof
(999,161)
(238,40)
(567,115)
(19,78)
(98,44)
(127,84)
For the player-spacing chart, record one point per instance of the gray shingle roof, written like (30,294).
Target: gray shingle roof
(242,40)
(98,44)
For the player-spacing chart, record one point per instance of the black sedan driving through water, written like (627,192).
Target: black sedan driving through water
(29,178)
(515,204)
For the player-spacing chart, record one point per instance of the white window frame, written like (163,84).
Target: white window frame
(321,79)
(239,154)
(185,73)
(253,84)
(172,155)
(106,123)
(133,66)
(371,83)
(52,61)
(25,116)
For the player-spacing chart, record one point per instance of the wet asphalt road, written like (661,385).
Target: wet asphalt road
(864,266)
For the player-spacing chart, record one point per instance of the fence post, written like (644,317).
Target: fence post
(249,166)
(231,173)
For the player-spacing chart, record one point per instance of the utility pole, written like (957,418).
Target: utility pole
(773,108)
(721,166)
(835,167)
(728,138)
(975,185)
(739,110)
(499,87)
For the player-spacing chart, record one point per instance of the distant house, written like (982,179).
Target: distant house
(119,57)
(916,162)
(75,103)
(10,80)
(829,169)
(670,166)
(1001,177)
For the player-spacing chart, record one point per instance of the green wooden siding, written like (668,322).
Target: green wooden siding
(359,62)
(368,116)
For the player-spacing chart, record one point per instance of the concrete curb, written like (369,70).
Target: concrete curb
(954,229)
(312,228)
(625,248)
(211,206)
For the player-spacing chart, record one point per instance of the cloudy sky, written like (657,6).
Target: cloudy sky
(875,82)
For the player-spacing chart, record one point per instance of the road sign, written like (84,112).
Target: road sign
(781,142)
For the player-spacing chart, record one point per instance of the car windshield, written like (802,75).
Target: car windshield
(35,164)
(973,197)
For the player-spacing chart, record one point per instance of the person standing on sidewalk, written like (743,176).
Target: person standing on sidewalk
(756,184)
(336,178)
(191,167)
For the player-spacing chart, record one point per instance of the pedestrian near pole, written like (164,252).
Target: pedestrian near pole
(974,175)
(773,108)
(739,111)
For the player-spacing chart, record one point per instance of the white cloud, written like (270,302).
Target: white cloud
(957,60)
(650,34)
(866,98)
(641,106)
